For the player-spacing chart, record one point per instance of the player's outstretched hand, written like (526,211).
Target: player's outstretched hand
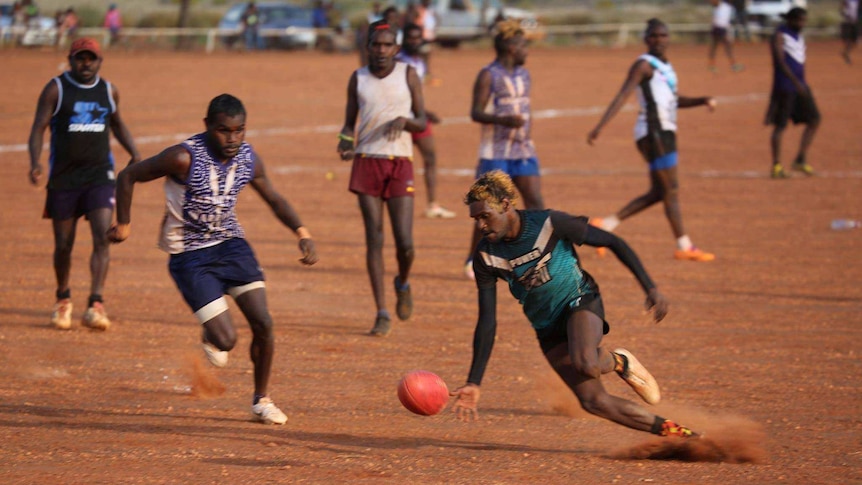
(467,398)
(711,103)
(119,232)
(658,304)
(309,254)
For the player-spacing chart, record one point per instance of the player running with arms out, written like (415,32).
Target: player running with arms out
(82,109)
(655,81)
(209,256)
(384,106)
(533,252)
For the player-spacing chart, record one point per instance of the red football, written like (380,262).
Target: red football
(423,392)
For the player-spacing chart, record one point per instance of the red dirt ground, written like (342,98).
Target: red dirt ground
(761,348)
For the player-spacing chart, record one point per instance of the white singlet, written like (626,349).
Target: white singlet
(381,101)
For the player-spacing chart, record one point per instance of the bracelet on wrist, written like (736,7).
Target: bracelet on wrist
(343,137)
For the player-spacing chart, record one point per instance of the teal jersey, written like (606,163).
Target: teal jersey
(540,266)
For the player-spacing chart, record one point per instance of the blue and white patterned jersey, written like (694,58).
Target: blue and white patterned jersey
(510,95)
(200,210)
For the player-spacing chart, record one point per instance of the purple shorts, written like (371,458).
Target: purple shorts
(62,204)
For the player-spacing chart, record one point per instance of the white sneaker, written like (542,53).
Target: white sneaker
(216,357)
(636,376)
(61,317)
(96,317)
(266,412)
(438,212)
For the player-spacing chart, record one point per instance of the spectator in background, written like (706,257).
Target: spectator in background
(251,27)
(68,27)
(424,16)
(849,27)
(318,15)
(722,13)
(113,22)
(740,19)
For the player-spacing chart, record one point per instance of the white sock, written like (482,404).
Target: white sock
(684,243)
(610,223)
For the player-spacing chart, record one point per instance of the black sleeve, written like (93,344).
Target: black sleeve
(569,227)
(599,238)
(484,335)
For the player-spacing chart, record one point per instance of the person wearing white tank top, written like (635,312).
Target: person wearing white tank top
(384,105)
(656,83)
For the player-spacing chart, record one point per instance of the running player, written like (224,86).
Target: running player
(533,252)
(384,105)
(83,110)
(655,131)
(849,27)
(791,97)
(209,256)
(501,104)
(410,54)
(722,15)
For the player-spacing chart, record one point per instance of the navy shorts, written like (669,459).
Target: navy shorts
(558,332)
(62,204)
(787,106)
(205,275)
(520,167)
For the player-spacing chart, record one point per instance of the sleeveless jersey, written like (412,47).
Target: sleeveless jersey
(510,95)
(540,266)
(794,56)
(657,99)
(80,134)
(381,101)
(200,211)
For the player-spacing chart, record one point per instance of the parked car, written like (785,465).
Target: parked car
(282,25)
(460,20)
(768,12)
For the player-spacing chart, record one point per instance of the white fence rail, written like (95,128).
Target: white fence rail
(622,34)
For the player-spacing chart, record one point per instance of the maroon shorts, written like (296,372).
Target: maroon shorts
(382,177)
(73,203)
(422,134)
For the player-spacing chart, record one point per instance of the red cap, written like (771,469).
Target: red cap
(85,44)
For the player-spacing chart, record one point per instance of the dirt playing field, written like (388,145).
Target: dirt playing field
(761,348)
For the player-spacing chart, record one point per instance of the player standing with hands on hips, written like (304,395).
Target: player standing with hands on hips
(80,107)
(533,252)
(209,256)
(384,106)
(655,133)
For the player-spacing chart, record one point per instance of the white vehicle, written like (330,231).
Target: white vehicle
(459,20)
(768,12)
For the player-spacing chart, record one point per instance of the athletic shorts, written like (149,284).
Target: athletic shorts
(719,33)
(849,32)
(659,150)
(520,167)
(382,177)
(205,275)
(422,134)
(63,204)
(558,332)
(789,105)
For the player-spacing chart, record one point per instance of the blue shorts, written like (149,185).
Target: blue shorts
(205,275)
(519,167)
(664,162)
